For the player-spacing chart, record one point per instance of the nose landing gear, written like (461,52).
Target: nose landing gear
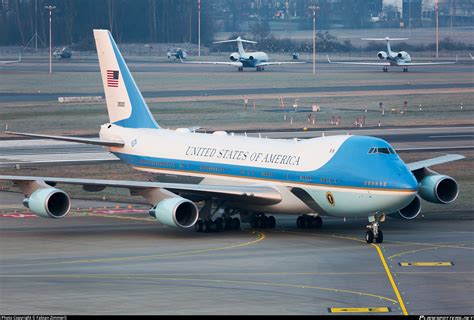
(374,232)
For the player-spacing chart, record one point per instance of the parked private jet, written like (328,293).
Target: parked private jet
(239,176)
(177,54)
(395,59)
(243,59)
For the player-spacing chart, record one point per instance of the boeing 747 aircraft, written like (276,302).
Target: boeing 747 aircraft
(394,59)
(242,59)
(238,176)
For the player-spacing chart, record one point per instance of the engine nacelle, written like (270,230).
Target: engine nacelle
(438,188)
(176,212)
(48,203)
(402,55)
(234,56)
(251,58)
(412,210)
(382,55)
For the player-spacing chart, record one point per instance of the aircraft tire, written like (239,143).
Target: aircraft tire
(271,222)
(379,237)
(369,236)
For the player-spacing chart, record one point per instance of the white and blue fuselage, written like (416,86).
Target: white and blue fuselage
(359,183)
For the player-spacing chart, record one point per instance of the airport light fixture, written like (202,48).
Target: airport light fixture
(50,8)
(314,8)
(199,28)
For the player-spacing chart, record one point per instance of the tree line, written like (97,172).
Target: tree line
(129,21)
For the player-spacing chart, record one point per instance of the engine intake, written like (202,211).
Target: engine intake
(382,55)
(48,203)
(176,212)
(438,189)
(234,56)
(412,210)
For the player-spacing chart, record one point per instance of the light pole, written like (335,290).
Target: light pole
(314,8)
(50,8)
(199,28)
(437,35)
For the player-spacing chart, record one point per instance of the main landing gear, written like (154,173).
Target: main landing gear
(309,222)
(374,232)
(261,221)
(220,224)
(208,224)
(260,68)
(405,69)
(240,69)
(385,69)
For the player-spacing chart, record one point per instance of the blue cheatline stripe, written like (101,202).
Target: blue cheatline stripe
(338,172)
(141,116)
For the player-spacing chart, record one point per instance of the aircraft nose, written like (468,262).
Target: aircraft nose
(407,181)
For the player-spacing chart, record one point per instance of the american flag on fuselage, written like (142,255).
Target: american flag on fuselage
(112,78)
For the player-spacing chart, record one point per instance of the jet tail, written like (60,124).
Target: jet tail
(125,104)
(388,39)
(239,41)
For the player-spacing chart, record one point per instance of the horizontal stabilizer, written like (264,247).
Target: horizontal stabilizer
(236,40)
(105,143)
(384,39)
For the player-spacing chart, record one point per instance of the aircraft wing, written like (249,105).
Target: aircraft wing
(11,62)
(276,63)
(425,63)
(256,194)
(105,143)
(359,63)
(434,161)
(229,63)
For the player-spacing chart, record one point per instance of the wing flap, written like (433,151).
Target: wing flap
(359,63)
(264,195)
(276,63)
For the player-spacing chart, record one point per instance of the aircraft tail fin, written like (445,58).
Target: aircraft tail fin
(125,104)
(239,41)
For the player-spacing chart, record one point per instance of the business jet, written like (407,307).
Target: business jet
(62,53)
(394,59)
(177,54)
(239,176)
(243,59)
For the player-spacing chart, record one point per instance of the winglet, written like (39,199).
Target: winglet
(329,60)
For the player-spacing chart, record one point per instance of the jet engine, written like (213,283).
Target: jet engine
(176,212)
(234,56)
(438,188)
(251,58)
(402,55)
(412,210)
(382,55)
(48,203)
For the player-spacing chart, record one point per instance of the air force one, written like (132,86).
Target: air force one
(391,58)
(243,59)
(239,176)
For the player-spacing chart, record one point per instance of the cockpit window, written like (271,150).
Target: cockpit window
(381,151)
